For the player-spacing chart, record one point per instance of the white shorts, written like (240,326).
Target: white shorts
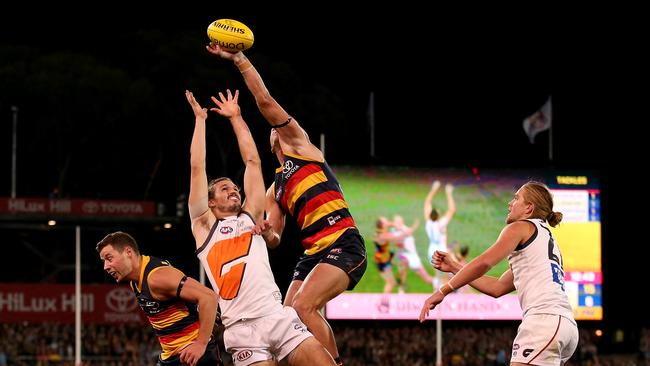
(545,340)
(269,337)
(412,258)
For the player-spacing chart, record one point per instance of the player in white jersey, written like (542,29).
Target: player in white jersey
(407,253)
(436,224)
(258,328)
(548,334)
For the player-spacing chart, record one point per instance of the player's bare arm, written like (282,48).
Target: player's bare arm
(227,106)
(164,285)
(202,218)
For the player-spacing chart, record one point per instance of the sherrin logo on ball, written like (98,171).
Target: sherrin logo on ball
(231,35)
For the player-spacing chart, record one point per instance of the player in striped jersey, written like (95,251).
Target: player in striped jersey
(168,298)
(548,334)
(305,188)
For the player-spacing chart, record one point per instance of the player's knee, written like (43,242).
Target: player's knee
(303,307)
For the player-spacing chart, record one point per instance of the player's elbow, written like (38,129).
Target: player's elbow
(253,162)
(208,302)
(265,101)
(500,291)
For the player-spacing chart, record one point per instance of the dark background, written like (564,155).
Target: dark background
(103,115)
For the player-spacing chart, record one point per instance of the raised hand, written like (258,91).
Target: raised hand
(199,112)
(449,188)
(227,106)
(218,51)
(435,185)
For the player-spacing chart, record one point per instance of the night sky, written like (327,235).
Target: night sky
(103,115)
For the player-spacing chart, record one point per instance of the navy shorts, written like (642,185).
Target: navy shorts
(347,253)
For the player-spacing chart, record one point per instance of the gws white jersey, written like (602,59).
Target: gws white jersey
(538,275)
(406,249)
(237,264)
(437,233)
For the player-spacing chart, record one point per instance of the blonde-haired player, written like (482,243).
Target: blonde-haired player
(548,334)
(258,328)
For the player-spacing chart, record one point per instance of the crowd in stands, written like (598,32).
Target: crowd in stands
(135,345)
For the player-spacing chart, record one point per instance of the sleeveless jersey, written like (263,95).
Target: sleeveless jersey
(437,232)
(383,254)
(237,264)
(407,245)
(175,321)
(308,190)
(538,275)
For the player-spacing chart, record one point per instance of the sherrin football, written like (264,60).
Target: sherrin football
(230,35)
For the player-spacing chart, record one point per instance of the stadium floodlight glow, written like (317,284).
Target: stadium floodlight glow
(599,333)
(51,222)
(167,225)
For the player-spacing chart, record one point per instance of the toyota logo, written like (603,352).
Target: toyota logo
(90,207)
(121,300)
(287,166)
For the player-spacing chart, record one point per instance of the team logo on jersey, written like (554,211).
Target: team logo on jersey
(515,347)
(243,355)
(149,307)
(226,230)
(289,168)
(336,251)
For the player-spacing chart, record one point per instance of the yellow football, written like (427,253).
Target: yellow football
(230,35)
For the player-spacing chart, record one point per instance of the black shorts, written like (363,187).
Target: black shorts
(347,253)
(381,266)
(211,357)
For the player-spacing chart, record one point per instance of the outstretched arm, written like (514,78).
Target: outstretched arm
(202,218)
(495,287)
(511,236)
(228,107)
(427,201)
(451,204)
(293,137)
(164,285)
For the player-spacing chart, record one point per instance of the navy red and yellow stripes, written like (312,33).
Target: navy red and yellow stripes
(308,191)
(175,322)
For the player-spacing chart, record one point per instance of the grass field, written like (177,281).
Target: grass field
(481,208)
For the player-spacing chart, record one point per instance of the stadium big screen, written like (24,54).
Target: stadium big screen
(481,200)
